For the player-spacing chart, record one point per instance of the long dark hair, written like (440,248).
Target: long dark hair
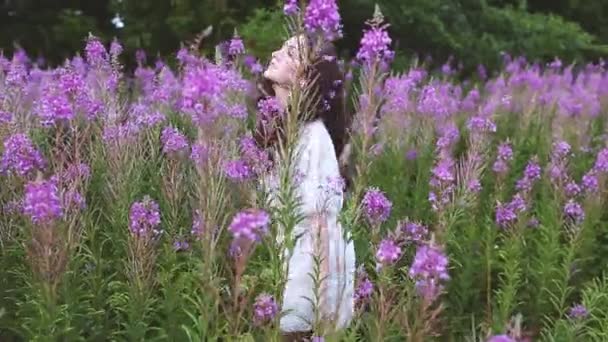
(326,80)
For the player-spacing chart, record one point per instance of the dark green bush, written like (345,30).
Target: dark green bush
(472,31)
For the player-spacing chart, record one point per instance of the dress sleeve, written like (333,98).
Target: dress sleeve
(321,202)
(318,177)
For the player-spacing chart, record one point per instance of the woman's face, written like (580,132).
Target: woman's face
(285,62)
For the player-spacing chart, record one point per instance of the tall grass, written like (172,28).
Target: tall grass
(119,196)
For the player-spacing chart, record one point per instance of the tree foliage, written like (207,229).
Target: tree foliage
(472,31)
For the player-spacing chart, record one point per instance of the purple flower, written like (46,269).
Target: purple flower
(185,57)
(250,225)
(223,50)
(505,151)
(479,124)
(290,7)
(17,73)
(42,202)
(20,156)
(180,245)
(572,189)
(561,149)
(414,231)
(173,140)
(70,81)
(145,78)
(429,262)
(388,252)
(206,91)
(91,107)
(429,289)
(474,185)
(73,200)
(532,173)
(446,69)
(532,170)
(442,183)
(75,172)
(115,48)
(95,52)
(556,64)
(557,172)
(578,311)
(123,133)
(54,107)
(411,154)
(601,162)
(317,339)
(269,108)
(471,101)
(264,309)
(236,46)
(417,74)
(505,154)
(437,101)
(322,16)
(237,170)
(448,138)
(500,167)
(590,182)
(574,211)
(198,227)
(533,223)
(199,154)
(334,185)
(144,217)
(442,173)
(364,289)
(377,207)
(375,46)
(254,66)
(257,158)
(149,118)
(518,203)
(5,117)
(430,265)
(500,338)
(236,249)
(506,214)
(397,93)
(165,90)
(140,56)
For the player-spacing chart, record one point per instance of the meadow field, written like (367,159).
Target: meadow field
(129,206)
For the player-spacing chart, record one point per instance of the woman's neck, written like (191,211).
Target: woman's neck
(282,95)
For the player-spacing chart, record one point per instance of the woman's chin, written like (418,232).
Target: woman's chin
(274,75)
(269,74)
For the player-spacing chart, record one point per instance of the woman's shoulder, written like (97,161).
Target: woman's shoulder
(316,132)
(317,143)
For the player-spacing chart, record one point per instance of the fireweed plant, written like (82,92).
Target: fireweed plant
(131,205)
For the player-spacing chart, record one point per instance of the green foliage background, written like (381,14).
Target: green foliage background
(472,31)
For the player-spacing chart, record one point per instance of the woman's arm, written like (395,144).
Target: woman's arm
(321,203)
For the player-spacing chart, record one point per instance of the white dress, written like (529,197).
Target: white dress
(319,233)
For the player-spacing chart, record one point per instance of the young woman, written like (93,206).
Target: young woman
(321,139)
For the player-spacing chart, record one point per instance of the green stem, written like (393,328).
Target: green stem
(510,280)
